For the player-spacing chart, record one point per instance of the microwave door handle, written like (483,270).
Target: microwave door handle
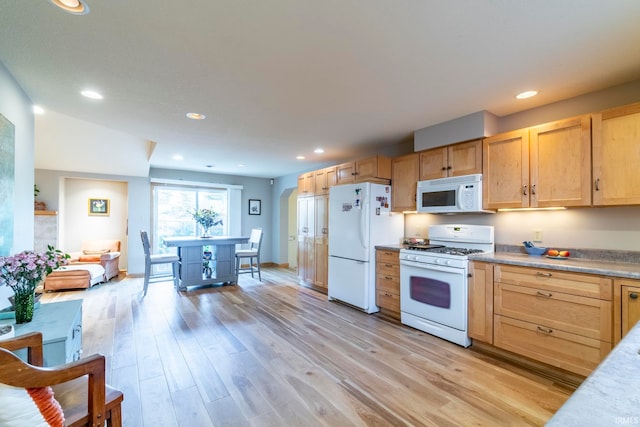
(459,196)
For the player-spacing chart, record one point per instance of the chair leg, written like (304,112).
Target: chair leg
(115,417)
(259,276)
(147,272)
(251,265)
(176,277)
(237,265)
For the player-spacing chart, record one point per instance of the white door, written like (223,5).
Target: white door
(349,281)
(348,222)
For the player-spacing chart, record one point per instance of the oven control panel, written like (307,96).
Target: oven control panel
(454,262)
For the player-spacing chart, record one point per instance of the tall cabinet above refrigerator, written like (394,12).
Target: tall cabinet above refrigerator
(360,218)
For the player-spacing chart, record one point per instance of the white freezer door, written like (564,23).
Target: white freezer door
(349,222)
(349,281)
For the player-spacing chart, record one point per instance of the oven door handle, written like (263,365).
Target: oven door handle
(432,267)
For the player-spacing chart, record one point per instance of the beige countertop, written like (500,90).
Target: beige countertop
(579,265)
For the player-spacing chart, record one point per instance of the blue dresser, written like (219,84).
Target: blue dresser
(61,327)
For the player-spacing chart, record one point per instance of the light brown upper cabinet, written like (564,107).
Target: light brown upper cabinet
(616,156)
(324,179)
(452,160)
(560,163)
(404,179)
(543,166)
(371,169)
(306,184)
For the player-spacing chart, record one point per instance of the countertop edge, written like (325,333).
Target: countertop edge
(578,265)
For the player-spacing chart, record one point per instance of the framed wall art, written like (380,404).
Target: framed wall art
(255,207)
(99,207)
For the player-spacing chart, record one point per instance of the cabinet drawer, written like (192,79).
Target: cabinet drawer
(388,269)
(568,351)
(390,257)
(589,317)
(389,301)
(556,281)
(388,283)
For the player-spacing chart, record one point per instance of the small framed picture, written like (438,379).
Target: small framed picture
(255,207)
(99,207)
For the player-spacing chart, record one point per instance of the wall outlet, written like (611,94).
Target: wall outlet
(537,235)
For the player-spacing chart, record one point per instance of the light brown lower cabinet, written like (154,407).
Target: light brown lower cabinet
(388,282)
(560,318)
(626,306)
(480,321)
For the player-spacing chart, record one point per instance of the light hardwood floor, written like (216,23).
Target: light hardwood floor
(277,354)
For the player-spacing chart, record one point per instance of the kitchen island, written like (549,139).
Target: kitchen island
(206,267)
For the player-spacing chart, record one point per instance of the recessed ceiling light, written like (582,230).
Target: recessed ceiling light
(240,165)
(300,157)
(526,94)
(196,116)
(75,7)
(177,157)
(38,109)
(318,150)
(91,94)
(208,166)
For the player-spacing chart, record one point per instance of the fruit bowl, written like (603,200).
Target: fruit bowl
(535,250)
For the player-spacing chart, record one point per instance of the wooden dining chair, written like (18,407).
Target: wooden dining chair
(79,387)
(252,253)
(153,259)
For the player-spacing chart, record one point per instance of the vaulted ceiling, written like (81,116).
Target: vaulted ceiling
(279,78)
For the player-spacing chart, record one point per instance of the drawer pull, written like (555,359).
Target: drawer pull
(633,295)
(545,294)
(389,265)
(543,274)
(388,277)
(546,331)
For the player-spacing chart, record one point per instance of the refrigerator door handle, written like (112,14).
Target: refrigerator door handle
(363,221)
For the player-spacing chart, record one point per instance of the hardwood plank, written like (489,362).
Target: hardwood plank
(275,353)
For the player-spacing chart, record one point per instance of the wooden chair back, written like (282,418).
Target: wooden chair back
(89,401)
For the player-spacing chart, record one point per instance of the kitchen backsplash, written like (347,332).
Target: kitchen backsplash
(607,229)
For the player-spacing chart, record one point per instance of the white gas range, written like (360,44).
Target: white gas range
(433,279)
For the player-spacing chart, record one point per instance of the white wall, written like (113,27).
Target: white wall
(614,228)
(80,226)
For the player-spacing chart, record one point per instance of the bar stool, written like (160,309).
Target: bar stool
(252,252)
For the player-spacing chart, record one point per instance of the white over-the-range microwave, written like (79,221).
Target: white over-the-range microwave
(457,194)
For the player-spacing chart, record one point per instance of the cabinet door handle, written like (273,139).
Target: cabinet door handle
(633,295)
(524,190)
(540,274)
(533,189)
(545,330)
(545,294)
(598,184)
(449,168)
(444,168)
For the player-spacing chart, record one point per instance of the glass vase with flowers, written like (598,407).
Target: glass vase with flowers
(207,218)
(23,272)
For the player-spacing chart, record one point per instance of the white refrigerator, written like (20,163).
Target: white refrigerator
(360,218)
